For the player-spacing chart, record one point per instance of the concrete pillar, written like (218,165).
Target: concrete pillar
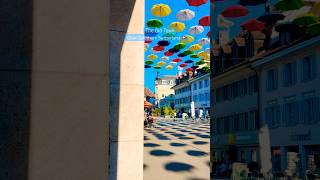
(69,90)
(126,90)
(303,158)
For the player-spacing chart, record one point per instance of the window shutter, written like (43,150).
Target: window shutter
(294,72)
(303,112)
(295,113)
(304,70)
(316,109)
(285,75)
(314,67)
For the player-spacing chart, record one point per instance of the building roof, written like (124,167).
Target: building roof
(148,93)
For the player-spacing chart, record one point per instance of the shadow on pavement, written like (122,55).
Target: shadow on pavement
(178,167)
(161,153)
(196,153)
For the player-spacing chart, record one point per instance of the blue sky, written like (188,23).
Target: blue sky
(175,5)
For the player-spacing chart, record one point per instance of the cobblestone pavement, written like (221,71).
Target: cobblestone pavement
(177,151)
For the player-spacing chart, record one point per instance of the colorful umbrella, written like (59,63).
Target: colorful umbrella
(147,66)
(188,61)
(271,18)
(161,63)
(163,43)
(208,34)
(160,10)
(185,15)
(194,56)
(187,39)
(204,55)
(194,30)
(164,58)
(194,67)
(154,23)
(306,20)
(152,57)
(169,36)
(183,65)
(235,11)
(196,2)
(287,5)
(168,53)
(173,50)
(253,25)
(149,62)
(195,47)
(203,41)
(188,52)
(207,50)
(205,21)
(157,67)
(147,40)
(177,60)
(173,63)
(179,46)
(252,2)
(201,62)
(177,26)
(158,48)
(181,55)
(189,69)
(314,29)
(169,67)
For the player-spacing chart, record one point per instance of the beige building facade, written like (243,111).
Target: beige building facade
(163,87)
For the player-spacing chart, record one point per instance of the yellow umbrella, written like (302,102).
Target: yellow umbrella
(195,47)
(169,67)
(204,55)
(187,39)
(160,10)
(177,26)
(152,57)
(161,63)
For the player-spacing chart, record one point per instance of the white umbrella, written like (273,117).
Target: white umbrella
(203,41)
(207,50)
(164,58)
(194,30)
(173,63)
(185,15)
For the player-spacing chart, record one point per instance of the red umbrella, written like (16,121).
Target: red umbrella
(158,48)
(183,65)
(208,34)
(189,69)
(235,11)
(253,25)
(177,60)
(168,53)
(147,40)
(196,2)
(205,21)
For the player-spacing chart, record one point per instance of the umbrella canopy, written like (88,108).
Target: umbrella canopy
(185,15)
(168,53)
(194,30)
(183,65)
(154,23)
(189,69)
(196,2)
(177,26)
(169,67)
(157,67)
(194,67)
(152,57)
(201,62)
(205,21)
(203,41)
(208,34)
(306,20)
(287,27)
(173,63)
(315,9)
(194,56)
(204,55)
(147,66)
(149,62)
(188,61)
(253,25)
(287,5)
(207,50)
(147,40)
(177,60)
(235,11)
(179,46)
(169,36)
(160,10)
(181,55)
(187,52)
(271,18)
(187,39)
(161,63)
(314,29)
(252,2)
(173,50)
(163,43)
(164,58)
(195,47)
(158,48)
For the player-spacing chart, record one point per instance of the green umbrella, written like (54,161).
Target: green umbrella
(149,62)
(157,67)
(200,62)
(314,29)
(154,23)
(169,36)
(179,46)
(287,5)
(305,20)
(187,52)
(194,56)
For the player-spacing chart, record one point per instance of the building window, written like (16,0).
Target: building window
(195,98)
(309,67)
(252,84)
(207,98)
(310,110)
(272,79)
(194,86)
(272,116)
(200,97)
(290,74)
(290,113)
(171,82)
(200,84)
(206,83)
(164,82)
